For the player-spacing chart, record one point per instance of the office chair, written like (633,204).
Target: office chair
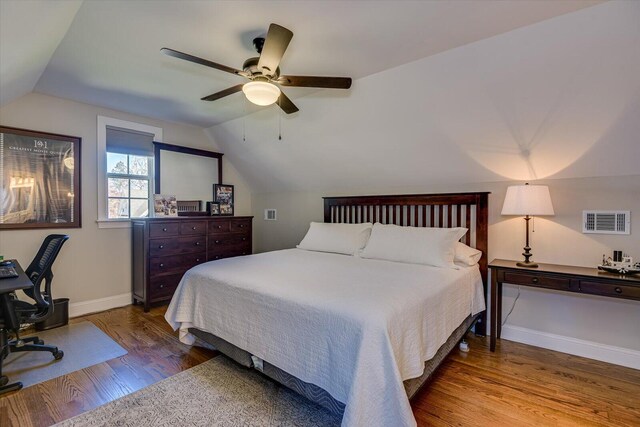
(14,312)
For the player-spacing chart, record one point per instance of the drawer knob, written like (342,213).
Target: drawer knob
(164,229)
(161,247)
(193,228)
(197,243)
(535,280)
(197,259)
(618,290)
(244,238)
(161,286)
(217,257)
(217,241)
(161,265)
(219,226)
(241,225)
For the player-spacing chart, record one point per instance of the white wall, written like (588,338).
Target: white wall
(95,263)
(557,102)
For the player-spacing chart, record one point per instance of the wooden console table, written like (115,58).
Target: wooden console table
(566,278)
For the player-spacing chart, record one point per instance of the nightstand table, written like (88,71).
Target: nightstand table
(566,278)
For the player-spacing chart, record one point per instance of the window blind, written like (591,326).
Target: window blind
(127,141)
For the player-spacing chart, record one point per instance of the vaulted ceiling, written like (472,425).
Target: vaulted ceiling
(106,53)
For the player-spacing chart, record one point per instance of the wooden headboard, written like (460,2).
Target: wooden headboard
(470,210)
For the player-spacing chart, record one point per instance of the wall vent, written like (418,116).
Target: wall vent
(270,215)
(606,222)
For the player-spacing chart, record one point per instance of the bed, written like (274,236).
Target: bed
(358,336)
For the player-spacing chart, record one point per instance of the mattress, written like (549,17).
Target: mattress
(356,328)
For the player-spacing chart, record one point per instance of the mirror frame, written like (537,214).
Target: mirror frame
(158,146)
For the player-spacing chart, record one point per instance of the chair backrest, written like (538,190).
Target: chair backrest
(40,267)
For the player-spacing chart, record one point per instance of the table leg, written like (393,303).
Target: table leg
(494,311)
(499,309)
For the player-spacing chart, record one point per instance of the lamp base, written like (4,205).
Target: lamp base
(527,264)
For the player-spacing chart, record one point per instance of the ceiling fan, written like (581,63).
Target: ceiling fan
(264,72)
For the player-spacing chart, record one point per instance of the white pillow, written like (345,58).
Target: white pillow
(467,255)
(337,238)
(415,245)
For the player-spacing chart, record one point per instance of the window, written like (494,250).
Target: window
(125,171)
(128,186)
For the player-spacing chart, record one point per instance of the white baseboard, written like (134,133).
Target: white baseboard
(93,306)
(589,349)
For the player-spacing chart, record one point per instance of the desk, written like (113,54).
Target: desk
(11,285)
(565,278)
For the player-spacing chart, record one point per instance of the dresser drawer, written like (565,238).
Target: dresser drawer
(228,252)
(164,229)
(163,287)
(219,226)
(176,246)
(228,240)
(175,264)
(193,227)
(610,289)
(240,225)
(538,280)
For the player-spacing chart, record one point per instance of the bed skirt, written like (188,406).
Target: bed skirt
(312,391)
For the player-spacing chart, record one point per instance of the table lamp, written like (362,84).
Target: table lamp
(527,200)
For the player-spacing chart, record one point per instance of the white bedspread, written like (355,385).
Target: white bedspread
(355,327)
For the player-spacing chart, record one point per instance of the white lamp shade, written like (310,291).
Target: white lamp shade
(261,93)
(527,200)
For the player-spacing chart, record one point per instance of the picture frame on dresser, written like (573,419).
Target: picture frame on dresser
(223,195)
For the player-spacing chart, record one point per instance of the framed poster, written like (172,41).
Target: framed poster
(39,180)
(223,194)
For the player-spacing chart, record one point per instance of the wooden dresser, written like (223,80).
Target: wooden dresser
(164,248)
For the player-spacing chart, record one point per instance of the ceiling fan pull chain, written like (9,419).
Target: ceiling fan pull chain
(244,120)
(279,122)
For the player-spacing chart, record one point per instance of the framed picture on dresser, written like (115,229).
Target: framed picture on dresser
(223,196)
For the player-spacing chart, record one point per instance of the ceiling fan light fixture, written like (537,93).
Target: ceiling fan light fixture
(261,93)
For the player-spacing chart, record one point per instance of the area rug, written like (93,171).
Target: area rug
(84,345)
(218,392)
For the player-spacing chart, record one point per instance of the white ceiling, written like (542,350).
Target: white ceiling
(110,54)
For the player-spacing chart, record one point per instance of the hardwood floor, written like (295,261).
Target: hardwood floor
(518,385)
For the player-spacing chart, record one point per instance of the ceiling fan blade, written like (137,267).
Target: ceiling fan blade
(285,103)
(313,81)
(223,93)
(275,44)
(205,62)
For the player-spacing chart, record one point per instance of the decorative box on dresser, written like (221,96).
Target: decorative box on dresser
(165,248)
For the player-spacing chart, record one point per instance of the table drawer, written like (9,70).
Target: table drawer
(163,287)
(538,280)
(176,246)
(175,264)
(610,289)
(240,225)
(164,229)
(219,226)
(193,227)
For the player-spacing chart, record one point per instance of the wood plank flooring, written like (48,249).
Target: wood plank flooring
(518,385)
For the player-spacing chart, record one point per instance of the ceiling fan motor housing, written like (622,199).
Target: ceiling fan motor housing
(251,67)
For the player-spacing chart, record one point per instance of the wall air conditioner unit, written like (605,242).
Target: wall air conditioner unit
(606,222)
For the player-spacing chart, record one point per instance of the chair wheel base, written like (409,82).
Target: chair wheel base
(58,355)
(4,380)
(10,387)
